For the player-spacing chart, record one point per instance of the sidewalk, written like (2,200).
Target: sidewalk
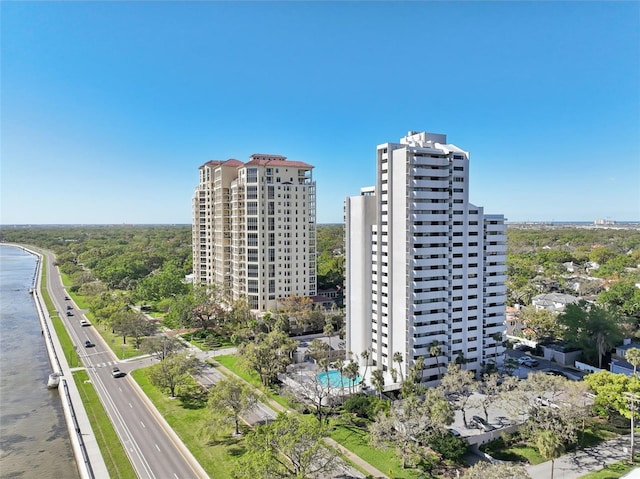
(581,462)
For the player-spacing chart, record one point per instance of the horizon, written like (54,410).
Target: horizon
(110,108)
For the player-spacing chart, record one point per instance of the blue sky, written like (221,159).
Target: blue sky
(108,109)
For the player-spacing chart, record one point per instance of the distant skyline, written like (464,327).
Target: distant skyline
(108,108)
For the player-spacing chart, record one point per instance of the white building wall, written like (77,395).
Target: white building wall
(428,266)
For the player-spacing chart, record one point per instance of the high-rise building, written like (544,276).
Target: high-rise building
(254,229)
(425,269)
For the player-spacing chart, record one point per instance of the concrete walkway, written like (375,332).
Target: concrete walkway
(584,461)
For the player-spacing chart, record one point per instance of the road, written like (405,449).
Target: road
(154,450)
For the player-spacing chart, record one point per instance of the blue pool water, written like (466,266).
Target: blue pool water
(333,379)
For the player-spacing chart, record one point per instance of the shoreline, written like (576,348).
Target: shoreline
(88,457)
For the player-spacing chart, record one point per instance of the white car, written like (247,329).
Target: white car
(84,322)
(527,361)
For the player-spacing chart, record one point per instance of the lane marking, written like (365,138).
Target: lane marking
(159,450)
(144,426)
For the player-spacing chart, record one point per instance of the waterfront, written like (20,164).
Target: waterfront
(34,441)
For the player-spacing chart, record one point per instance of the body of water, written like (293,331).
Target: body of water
(34,441)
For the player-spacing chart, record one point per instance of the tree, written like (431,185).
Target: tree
(549,446)
(288,447)
(413,385)
(318,349)
(173,371)
(161,346)
(411,422)
(268,354)
(633,357)
(377,381)
(458,385)
(542,322)
(496,470)
(167,282)
(593,328)
(397,358)
(609,389)
(435,350)
(209,308)
(328,330)
(351,371)
(133,324)
(365,356)
(623,296)
(229,399)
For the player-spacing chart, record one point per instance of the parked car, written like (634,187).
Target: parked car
(527,361)
(88,344)
(84,322)
(478,422)
(555,372)
(116,373)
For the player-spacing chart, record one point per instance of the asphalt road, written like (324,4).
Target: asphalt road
(154,451)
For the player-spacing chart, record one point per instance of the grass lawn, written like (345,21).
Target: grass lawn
(385,460)
(612,471)
(114,455)
(115,342)
(231,362)
(518,452)
(187,418)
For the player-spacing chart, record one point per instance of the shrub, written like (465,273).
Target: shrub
(449,446)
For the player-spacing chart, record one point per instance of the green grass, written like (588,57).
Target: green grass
(188,416)
(385,460)
(115,342)
(518,452)
(612,471)
(113,453)
(69,350)
(232,363)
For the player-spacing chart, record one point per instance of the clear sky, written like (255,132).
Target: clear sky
(108,109)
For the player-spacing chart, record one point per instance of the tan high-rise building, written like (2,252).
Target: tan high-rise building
(425,267)
(254,229)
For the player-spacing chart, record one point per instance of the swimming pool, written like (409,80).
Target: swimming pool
(333,379)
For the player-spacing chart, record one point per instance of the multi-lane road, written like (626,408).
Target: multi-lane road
(153,448)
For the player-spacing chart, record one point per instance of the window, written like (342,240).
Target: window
(252,175)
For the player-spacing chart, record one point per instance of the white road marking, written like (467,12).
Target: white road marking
(157,447)
(144,426)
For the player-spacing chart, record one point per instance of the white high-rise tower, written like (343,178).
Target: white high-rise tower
(424,267)
(254,229)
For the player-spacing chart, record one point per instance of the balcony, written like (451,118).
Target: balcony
(429,195)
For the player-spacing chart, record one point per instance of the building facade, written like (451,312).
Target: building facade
(425,268)
(254,229)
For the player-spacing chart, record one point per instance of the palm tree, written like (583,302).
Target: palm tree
(397,358)
(340,366)
(351,371)
(365,356)
(497,337)
(377,380)
(633,357)
(435,350)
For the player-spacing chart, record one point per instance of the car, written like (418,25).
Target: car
(69,307)
(555,372)
(544,402)
(478,422)
(116,373)
(527,361)
(88,344)
(67,298)
(69,313)
(454,432)
(84,322)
